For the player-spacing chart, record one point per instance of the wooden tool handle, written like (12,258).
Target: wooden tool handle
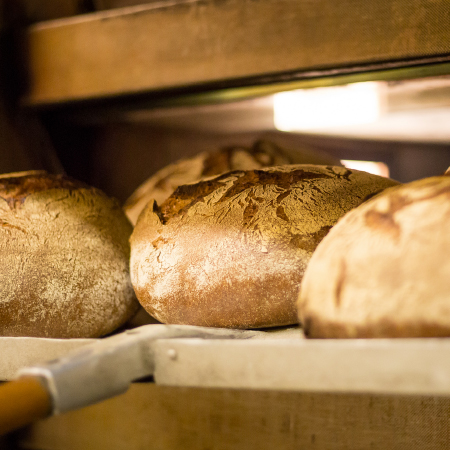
(22,402)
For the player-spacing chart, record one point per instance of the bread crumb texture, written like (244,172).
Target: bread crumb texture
(383,270)
(231,251)
(64,266)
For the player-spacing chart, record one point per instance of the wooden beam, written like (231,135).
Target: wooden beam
(187,43)
(168,418)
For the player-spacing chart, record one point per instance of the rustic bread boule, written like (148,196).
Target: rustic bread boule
(64,265)
(383,270)
(231,251)
(262,153)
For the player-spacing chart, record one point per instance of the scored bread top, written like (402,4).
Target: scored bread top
(15,187)
(231,251)
(262,153)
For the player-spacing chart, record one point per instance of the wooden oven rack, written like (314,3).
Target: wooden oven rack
(189,51)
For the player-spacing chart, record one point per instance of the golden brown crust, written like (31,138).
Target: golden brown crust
(261,154)
(187,196)
(64,267)
(383,270)
(231,251)
(15,188)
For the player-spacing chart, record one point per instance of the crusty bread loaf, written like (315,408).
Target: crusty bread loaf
(383,270)
(261,154)
(64,258)
(231,251)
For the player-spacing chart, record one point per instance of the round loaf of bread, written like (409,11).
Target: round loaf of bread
(64,259)
(231,251)
(261,154)
(383,270)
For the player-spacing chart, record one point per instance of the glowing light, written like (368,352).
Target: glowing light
(377,168)
(330,107)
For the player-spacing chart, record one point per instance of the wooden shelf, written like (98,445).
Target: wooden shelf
(281,360)
(189,46)
(149,416)
(273,391)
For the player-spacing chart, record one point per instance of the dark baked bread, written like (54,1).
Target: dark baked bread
(231,251)
(384,270)
(261,154)
(64,258)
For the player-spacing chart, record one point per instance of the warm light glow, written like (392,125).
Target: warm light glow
(330,107)
(377,168)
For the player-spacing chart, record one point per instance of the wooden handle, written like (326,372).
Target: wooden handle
(22,402)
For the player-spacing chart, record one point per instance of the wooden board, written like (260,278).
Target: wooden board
(281,360)
(187,43)
(169,418)
(380,366)
(281,406)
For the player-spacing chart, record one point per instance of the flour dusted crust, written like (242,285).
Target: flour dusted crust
(384,270)
(261,154)
(231,251)
(64,258)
